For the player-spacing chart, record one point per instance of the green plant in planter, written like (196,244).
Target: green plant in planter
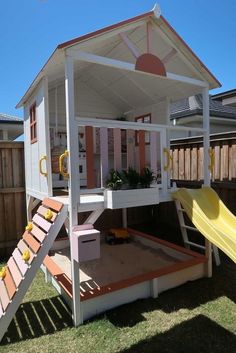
(131,177)
(146,178)
(114,180)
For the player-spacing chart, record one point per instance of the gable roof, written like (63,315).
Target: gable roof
(165,26)
(186,107)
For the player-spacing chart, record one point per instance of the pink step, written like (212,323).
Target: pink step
(15,272)
(23,247)
(4,296)
(23,267)
(41,222)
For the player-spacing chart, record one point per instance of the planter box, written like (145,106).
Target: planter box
(114,199)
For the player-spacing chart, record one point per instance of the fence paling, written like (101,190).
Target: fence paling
(12,192)
(188,158)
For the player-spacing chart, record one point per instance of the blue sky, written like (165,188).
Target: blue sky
(31,29)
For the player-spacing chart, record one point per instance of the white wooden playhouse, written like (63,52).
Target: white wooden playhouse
(72,111)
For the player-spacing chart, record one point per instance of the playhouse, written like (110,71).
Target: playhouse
(101,102)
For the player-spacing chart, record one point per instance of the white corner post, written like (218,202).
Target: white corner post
(207,176)
(206,135)
(74,187)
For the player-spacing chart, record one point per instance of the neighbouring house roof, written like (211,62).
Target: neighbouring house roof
(6,118)
(162,24)
(223,95)
(12,124)
(193,106)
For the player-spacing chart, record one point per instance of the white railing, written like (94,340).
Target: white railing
(144,142)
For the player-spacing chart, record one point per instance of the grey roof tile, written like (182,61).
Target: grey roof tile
(182,108)
(9,118)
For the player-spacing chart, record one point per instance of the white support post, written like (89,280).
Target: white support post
(29,206)
(47,133)
(168,135)
(207,176)
(74,186)
(164,173)
(206,135)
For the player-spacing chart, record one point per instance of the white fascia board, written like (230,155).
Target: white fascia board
(117,64)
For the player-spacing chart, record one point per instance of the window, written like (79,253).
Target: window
(147,120)
(33,124)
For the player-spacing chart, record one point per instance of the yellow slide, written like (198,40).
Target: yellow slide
(210,215)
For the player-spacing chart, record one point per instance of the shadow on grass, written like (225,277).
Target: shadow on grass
(197,335)
(188,296)
(35,319)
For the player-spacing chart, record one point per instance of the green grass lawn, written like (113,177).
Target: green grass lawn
(196,317)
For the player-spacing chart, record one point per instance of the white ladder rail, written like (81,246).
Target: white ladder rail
(184,228)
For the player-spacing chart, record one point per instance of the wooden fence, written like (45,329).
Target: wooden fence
(187,157)
(12,193)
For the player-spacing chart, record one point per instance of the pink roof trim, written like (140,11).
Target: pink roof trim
(103,30)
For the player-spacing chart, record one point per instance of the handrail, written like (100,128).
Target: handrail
(43,158)
(169,159)
(132,125)
(61,167)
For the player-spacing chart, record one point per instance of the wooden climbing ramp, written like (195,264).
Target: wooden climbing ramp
(26,259)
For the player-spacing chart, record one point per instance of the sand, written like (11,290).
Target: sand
(117,262)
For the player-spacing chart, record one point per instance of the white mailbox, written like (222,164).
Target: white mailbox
(85,243)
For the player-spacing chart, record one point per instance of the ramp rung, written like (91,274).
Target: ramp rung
(20,273)
(9,283)
(4,296)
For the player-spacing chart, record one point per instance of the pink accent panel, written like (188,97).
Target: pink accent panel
(23,267)
(130,148)
(104,154)
(42,223)
(4,296)
(22,247)
(89,157)
(153,151)
(150,63)
(16,275)
(117,149)
(142,160)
